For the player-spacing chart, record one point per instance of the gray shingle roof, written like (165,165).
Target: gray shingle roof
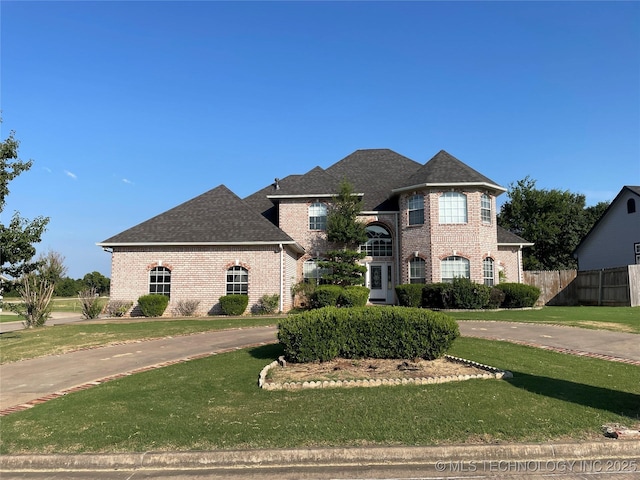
(446,169)
(505,237)
(217,216)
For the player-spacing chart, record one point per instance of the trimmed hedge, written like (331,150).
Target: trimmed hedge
(469,295)
(519,295)
(354,296)
(410,294)
(366,332)
(153,305)
(234,304)
(436,295)
(325,296)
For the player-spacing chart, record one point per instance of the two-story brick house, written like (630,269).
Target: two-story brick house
(426,223)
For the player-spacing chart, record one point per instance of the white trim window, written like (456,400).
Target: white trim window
(485,208)
(160,281)
(453,207)
(417,270)
(380,243)
(317,216)
(312,272)
(454,267)
(488,272)
(415,208)
(237,281)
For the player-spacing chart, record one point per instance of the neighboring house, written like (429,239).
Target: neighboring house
(426,223)
(614,240)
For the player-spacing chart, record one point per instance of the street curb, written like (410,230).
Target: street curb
(325,457)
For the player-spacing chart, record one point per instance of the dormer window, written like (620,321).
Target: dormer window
(317,216)
(415,206)
(453,208)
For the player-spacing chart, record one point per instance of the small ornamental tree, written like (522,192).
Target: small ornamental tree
(346,232)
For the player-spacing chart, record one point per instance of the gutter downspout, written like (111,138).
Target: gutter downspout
(281,277)
(520,267)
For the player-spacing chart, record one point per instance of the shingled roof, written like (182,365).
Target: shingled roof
(218,216)
(505,237)
(445,169)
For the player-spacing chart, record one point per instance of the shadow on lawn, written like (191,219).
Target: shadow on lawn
(267,352)
(620,403)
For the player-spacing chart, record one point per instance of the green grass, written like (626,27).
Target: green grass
(214,403)
(37,342)
(622,319)
(67,305)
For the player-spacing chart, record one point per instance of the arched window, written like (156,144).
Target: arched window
(237,281)
(454,267)
(317,216)
(631,205)
(312,273)
(160,281)
(415,207)
(380,243)
(417,271)
(485,208)
(453,207)
(487,272)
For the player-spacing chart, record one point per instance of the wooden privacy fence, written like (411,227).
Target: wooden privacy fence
(611,287)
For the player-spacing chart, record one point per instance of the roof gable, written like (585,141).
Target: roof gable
(445,169)
(374,172)
(217,216)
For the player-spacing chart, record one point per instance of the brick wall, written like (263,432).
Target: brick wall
(198,273)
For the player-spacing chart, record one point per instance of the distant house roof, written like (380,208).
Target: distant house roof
(505,237)
(631,188)
(218,216)
(445,169)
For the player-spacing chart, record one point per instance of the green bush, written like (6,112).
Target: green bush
(466,294)
(410,294)
(366,332)
(496,297)
(325,296)
(519,295)
(234,304)
(436,295)
(354,296)
(153,305)
(268,304)
(90,303)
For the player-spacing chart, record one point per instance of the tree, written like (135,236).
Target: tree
(52,267)
(554,220)
(96,281)
(16,238)
(347,233)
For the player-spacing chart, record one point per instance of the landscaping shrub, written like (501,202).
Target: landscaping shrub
(436,295)
(186,308)
(153,305)
(496,297)
(519,295)
(325,296)
(117,308)
(410,294)
(366,332)
(268,304)
(234,304)
(90,303)
(354,296)
(466,294)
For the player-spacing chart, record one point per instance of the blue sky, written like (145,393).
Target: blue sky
(131,108)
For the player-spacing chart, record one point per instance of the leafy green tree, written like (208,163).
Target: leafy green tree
(554,220)
(68,287)
(97,281)
(347,232)
(16,238)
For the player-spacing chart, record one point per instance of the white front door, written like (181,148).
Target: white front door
(380,282)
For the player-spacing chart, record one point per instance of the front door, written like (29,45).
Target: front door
(380,282)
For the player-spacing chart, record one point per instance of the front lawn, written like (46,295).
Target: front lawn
(621,319)
(214,403)
(37,342)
